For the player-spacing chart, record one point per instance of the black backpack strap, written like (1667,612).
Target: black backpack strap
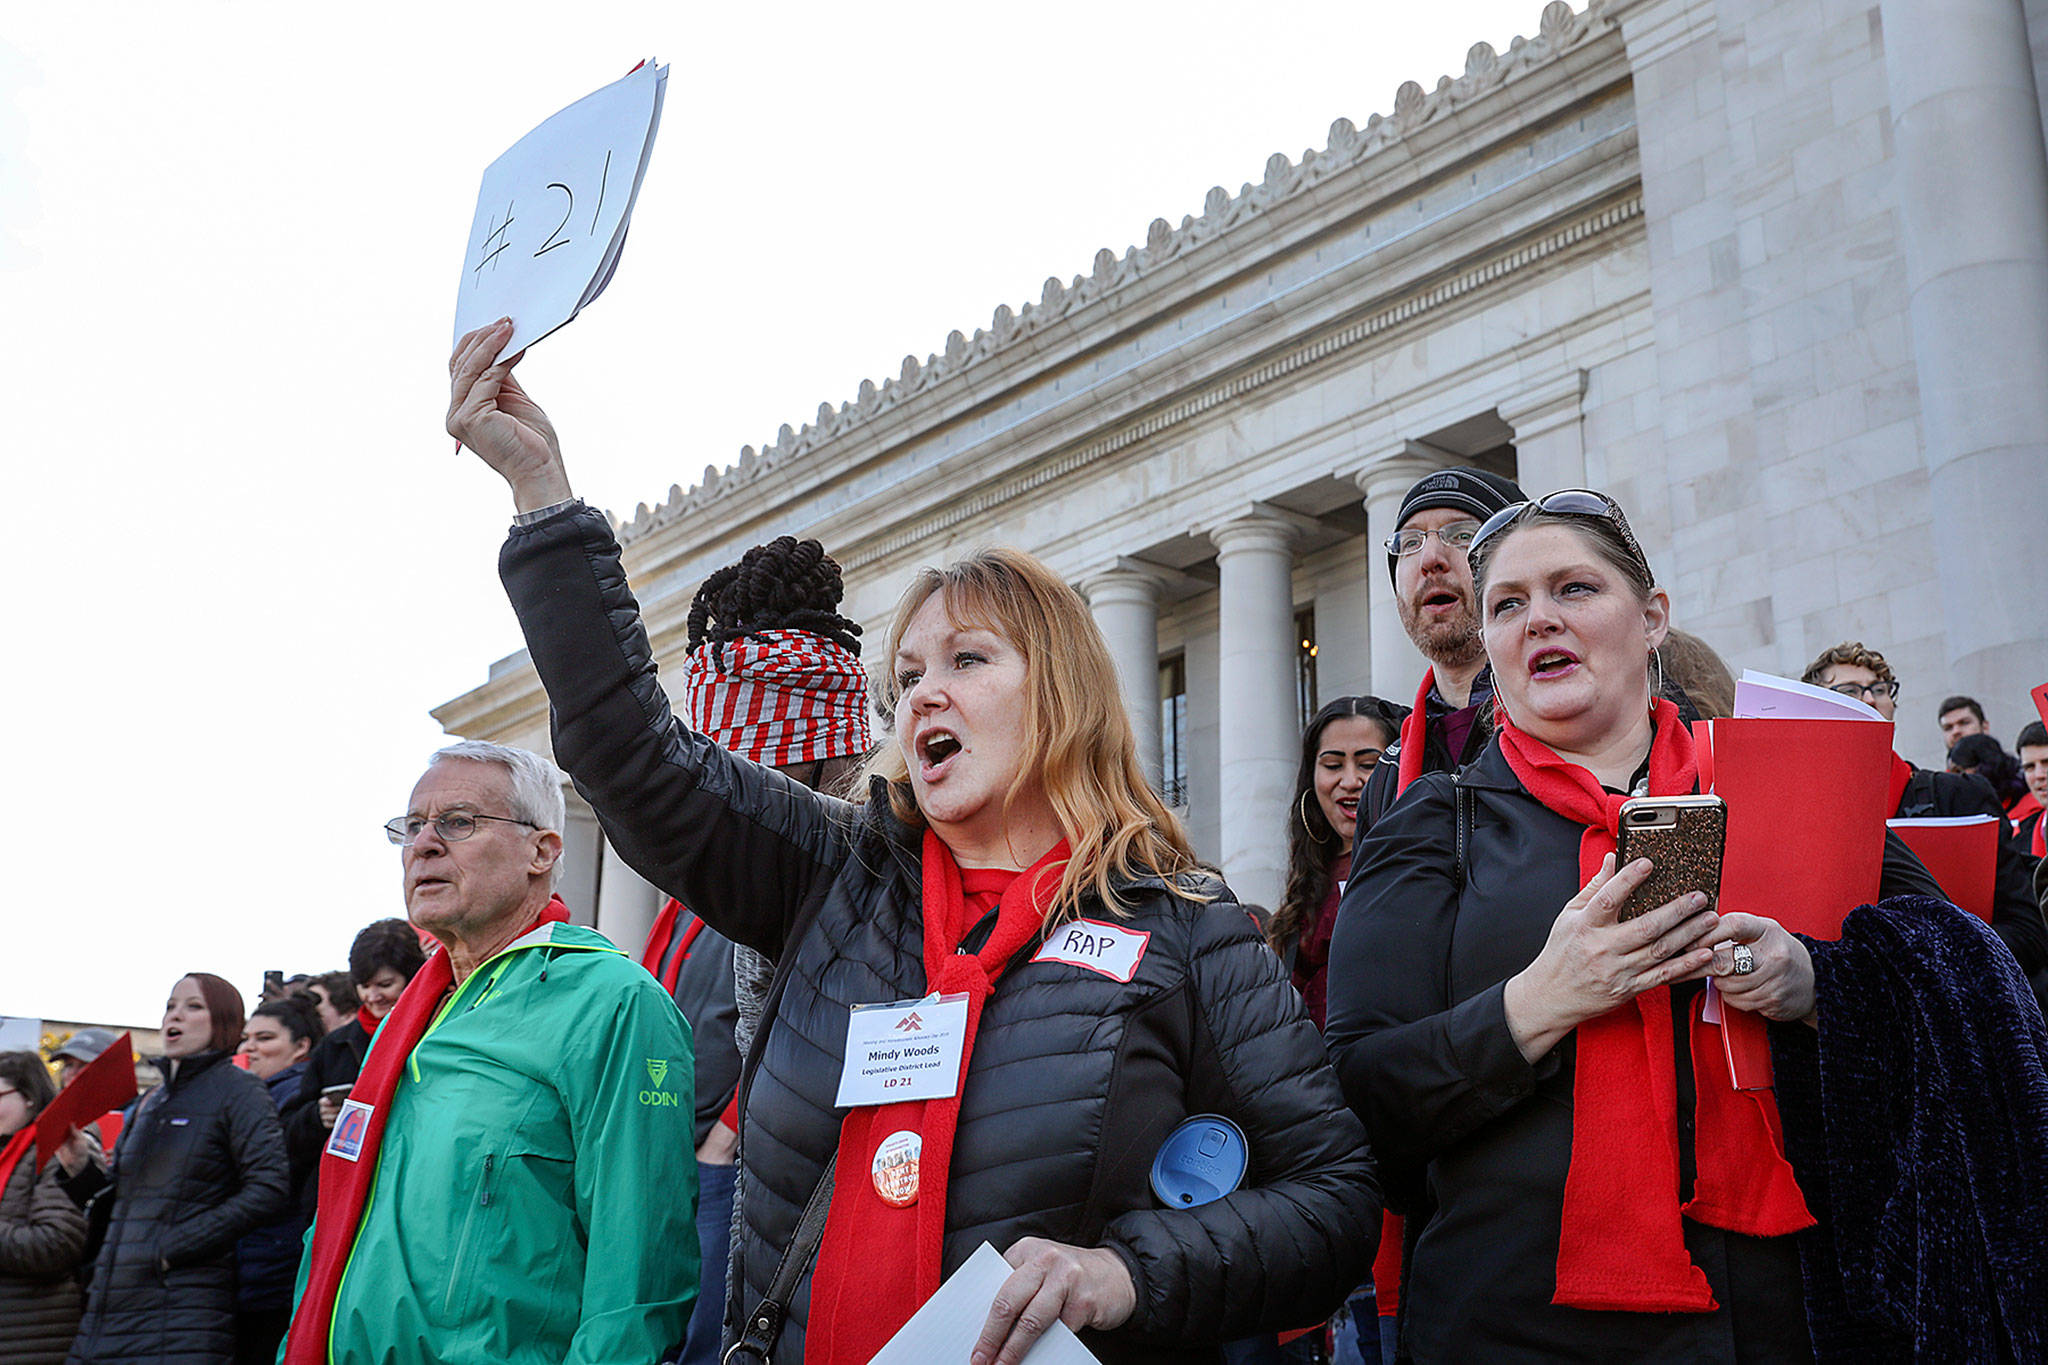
(764,1324)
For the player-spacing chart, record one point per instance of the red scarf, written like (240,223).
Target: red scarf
(661,936)
(1621,1246)
(1386,1263)
(16,1148)
(1902,773)
(367,1021)
(878,1263)
(345,1185)
(2020,809)
(1415,733)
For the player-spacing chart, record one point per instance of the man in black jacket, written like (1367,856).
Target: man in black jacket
(1857,671)
(1433,593)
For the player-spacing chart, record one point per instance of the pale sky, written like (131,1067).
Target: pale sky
(245,559)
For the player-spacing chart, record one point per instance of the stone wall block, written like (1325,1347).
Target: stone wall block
(1868,619)
(1803,585)
(1851,145)
(1875,455)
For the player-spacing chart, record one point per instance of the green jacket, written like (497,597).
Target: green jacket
(536,1193)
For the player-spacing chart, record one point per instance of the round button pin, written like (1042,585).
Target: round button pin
(895,1168)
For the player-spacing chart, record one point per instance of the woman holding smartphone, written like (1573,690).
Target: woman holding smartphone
(1496,1020)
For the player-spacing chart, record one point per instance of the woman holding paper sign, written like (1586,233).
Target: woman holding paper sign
(1095,986)
(1602,1190)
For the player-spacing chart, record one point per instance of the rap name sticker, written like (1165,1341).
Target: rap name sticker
(1099,947)
(350,1127)
(906,1050)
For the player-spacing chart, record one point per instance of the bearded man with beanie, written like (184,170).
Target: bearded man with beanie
(1452,719)
(1449,726)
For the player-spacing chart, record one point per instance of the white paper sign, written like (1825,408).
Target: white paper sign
(552,214)
(944,1331)
(1099,947)
(907,1050)
(1765,696)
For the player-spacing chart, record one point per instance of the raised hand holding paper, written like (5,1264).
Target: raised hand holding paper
(552,214)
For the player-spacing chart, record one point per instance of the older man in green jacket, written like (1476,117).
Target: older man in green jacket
(512,1178)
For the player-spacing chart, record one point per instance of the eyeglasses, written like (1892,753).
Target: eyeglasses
(1865,691)
(452,828)
(1456,536)
(1566,502)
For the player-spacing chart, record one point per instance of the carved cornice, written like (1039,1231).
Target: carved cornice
(1560,31)
(1479,274)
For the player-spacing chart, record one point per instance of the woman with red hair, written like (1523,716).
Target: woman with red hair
(199,1164)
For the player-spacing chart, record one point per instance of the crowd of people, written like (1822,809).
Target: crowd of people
(1462,1094)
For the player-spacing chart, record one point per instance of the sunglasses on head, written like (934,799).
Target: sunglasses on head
(1565,502)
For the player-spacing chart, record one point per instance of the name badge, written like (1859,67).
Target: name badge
(907,1050)
(350,1127)
(1099,947)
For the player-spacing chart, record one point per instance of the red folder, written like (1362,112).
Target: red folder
(1961,853)
(1806,819)
(108,1082)
(1806,816)
(2041,702)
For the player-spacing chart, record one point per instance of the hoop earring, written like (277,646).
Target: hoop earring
(1306,826)
(1657,689)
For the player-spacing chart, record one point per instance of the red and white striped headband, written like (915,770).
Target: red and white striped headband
(780,697)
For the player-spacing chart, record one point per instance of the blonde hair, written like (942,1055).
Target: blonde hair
(1078,739)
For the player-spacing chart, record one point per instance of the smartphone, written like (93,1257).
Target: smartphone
(337,1093)
(1683,836)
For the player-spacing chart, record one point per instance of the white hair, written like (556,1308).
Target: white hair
(535,781)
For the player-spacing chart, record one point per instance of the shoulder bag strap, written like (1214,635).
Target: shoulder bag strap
(764,1324)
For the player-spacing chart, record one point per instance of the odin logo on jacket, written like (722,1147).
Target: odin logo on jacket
(657,1072)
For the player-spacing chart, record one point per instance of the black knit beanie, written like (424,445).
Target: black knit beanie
(1463,487)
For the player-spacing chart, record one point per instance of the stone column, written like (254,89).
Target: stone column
(1550,443)
(1396,667)
(1255,693)
(1125,603)
(582,863)
(626,904)
(1973,205)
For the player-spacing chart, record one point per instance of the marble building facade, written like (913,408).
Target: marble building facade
(1772,272)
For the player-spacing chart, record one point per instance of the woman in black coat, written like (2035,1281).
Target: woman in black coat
(42,1232)
(1469,973)
(200,1163)
(1010,851)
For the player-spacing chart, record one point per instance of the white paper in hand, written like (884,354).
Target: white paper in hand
(552,214)
(944,1331)
(1765,696)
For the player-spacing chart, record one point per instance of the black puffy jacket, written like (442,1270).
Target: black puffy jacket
(267,1258)
(1429,932)
(42,1245)
(336,1059)
(1075,1078)
(200,1163)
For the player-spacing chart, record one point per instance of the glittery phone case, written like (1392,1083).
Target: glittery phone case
(1687,852)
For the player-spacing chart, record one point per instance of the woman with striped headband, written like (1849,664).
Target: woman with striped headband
(1003,980)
